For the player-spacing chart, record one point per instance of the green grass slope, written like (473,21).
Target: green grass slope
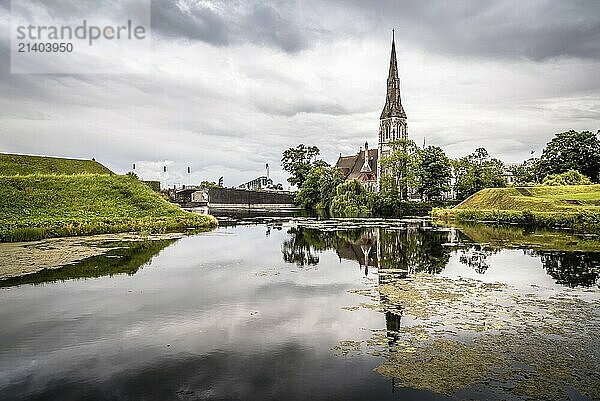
(576,206)
(541,199)
(38,206)
(11,164)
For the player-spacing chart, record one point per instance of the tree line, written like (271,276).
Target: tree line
(428,174)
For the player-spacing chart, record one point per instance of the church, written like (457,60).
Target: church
(365,166)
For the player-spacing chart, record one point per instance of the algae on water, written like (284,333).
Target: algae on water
(455,336)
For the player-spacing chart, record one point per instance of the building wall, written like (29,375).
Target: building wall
(241,196)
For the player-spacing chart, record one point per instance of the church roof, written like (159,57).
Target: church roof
(393,104)
(352,166)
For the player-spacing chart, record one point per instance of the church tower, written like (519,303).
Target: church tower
(392,122)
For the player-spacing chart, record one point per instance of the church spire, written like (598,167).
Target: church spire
(393,105)
(393,74)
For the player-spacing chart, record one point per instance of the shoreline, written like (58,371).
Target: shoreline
(19,259)
(582,221)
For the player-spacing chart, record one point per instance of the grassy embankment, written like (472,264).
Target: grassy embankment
(11,164)
(576,206)
(47,200)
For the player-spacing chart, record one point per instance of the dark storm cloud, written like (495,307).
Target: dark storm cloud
(197,23)
(235,23)
(535,30)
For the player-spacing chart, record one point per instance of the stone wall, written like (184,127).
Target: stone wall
(231,196)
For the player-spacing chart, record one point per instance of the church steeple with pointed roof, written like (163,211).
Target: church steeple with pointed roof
(393,104)
(392,122)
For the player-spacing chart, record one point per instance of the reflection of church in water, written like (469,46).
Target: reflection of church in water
(395,255)
(398,253)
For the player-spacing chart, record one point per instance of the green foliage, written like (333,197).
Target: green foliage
(384,205)
(526,173)
(476,172)
(209,184)
(299,161)
(581,220)
(572,150)
(154,185)
(396,207)
(400,168)
(11,164)
(351,199)
(434,172)
(406,167)
(39,206)
(319,188)
(571,177)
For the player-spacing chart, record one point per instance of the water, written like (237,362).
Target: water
(271,311)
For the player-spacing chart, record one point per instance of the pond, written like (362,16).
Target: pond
(301,308)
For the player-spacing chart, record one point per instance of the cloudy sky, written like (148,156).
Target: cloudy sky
(227,85)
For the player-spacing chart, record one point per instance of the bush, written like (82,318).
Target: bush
(571,177)
(154,185)
(351,200)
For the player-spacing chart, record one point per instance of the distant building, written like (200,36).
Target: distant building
(365,165)
(508,174)
(262,182)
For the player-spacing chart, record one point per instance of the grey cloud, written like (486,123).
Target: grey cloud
(227,111)
(197,23)
(535,30)
(236,23)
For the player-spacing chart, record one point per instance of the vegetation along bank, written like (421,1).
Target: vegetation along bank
(41,205)
(567,206)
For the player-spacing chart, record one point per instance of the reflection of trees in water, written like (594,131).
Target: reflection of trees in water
(569,259)
(572,269)
(124,257)
(304,244)
(299,247)
(476,257)
(416,249)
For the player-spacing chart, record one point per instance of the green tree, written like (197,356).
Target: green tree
(434,172)
(400,168)
(351,199)
(318,189)
(572,150)
(208,184)
(571,177)
(527,173)
(299,161)
(476,172)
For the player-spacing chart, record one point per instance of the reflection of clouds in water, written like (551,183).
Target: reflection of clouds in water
(196,297)
(228,330)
